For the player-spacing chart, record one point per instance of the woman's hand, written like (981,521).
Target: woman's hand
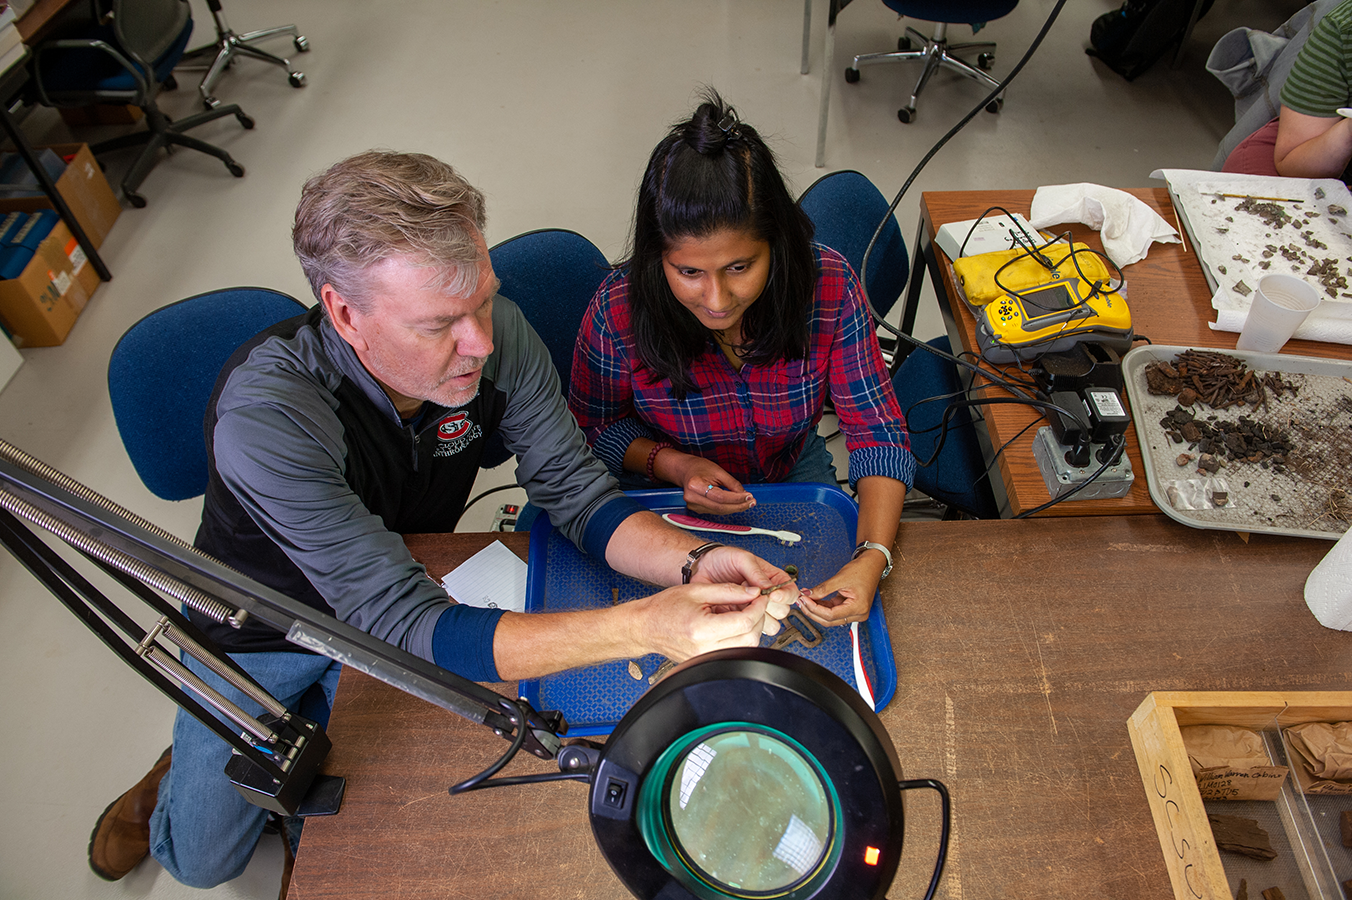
(846,596)
(707,487)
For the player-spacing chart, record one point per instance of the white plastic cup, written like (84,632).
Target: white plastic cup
(1279,306)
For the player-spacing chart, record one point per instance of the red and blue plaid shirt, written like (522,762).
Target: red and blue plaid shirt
(753,422)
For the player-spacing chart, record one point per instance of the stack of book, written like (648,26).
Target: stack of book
(20,234)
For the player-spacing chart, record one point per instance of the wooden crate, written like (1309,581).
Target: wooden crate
(1190,854)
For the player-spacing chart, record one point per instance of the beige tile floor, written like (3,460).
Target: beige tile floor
(551,108)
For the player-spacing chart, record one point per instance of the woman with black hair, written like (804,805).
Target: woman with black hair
(705,359)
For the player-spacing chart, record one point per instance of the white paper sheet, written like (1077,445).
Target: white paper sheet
(493,578)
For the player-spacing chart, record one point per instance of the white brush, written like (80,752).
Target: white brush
(690,523)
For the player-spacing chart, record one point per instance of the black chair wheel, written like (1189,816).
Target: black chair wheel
(904,43)
(851,75)
(170,83)
(906,114)
(246,120)
(302,45)
(994,106)
(297,79)
(235,169)
(135,199)
(985,60)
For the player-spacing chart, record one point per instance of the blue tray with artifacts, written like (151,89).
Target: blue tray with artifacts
(561,578)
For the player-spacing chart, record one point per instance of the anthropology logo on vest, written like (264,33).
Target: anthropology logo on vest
(455,433)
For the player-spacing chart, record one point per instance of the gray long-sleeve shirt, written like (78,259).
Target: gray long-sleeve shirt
(314,477)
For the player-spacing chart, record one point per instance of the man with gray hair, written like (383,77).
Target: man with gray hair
(331,434)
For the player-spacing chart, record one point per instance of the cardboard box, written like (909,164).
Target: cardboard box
(10,360)
(40,306)
(84,189)
(1190,852)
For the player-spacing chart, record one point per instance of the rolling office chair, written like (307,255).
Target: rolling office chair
(219,56)
(845,208)
(958,478)
(552,275)
(935,51)
(124,52)
(163,370)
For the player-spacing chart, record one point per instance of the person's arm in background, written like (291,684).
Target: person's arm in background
(881,465)
(1313,141)
(1312,146)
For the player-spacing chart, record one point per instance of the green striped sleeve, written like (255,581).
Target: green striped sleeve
(1320,81)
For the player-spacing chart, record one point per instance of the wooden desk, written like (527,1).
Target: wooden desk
(1022,648)
(1170,304)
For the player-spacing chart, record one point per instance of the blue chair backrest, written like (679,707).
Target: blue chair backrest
(162,372)
(964,12)
(845,209)
(552,275)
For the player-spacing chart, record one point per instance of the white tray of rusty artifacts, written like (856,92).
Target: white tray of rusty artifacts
(1290,474)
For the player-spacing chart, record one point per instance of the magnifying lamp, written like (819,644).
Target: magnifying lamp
(748,773)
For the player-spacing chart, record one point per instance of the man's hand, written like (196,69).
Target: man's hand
(685,621)
(732,565)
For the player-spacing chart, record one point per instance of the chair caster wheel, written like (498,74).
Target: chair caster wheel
(170,83)
(235,169)
(851,76)
(995,105)
(903,43)
(297,79)
(984,61)
(906,114)
(246,120)
(302,44)
(134,199)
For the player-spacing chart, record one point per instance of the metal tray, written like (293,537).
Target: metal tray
(559,577)
(1159,453)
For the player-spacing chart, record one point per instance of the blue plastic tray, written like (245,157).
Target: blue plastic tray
(560,577)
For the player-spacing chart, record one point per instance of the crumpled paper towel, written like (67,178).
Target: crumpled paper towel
(1127,225)
(1328,590)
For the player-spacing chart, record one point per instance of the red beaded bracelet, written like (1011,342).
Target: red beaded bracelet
(652,457)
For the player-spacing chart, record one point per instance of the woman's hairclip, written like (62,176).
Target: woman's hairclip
(728,125)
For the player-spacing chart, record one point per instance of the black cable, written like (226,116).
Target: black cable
(481,780)
(503,487)
(946,814)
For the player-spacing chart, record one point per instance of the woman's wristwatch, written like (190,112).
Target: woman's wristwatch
(873,545)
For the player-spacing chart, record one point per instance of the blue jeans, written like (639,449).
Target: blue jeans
(202,831)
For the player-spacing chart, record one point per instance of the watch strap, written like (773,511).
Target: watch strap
(688,570)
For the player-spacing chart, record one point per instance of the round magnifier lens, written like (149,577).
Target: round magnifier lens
(749,813)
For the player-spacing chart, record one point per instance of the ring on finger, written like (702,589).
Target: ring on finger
(708,489)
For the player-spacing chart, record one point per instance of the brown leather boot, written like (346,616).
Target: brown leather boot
(121,836)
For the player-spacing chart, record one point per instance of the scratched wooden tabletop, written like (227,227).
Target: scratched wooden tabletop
(1022,648)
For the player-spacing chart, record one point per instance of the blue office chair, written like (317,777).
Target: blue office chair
(124,52)
(935,51)
(552,275)
(958,477)
(845,209)
(162,373)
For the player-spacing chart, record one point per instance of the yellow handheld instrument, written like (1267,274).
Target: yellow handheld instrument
(1046,299)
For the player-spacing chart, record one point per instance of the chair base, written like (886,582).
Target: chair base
(936,53)
(166,134)
(220,55)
